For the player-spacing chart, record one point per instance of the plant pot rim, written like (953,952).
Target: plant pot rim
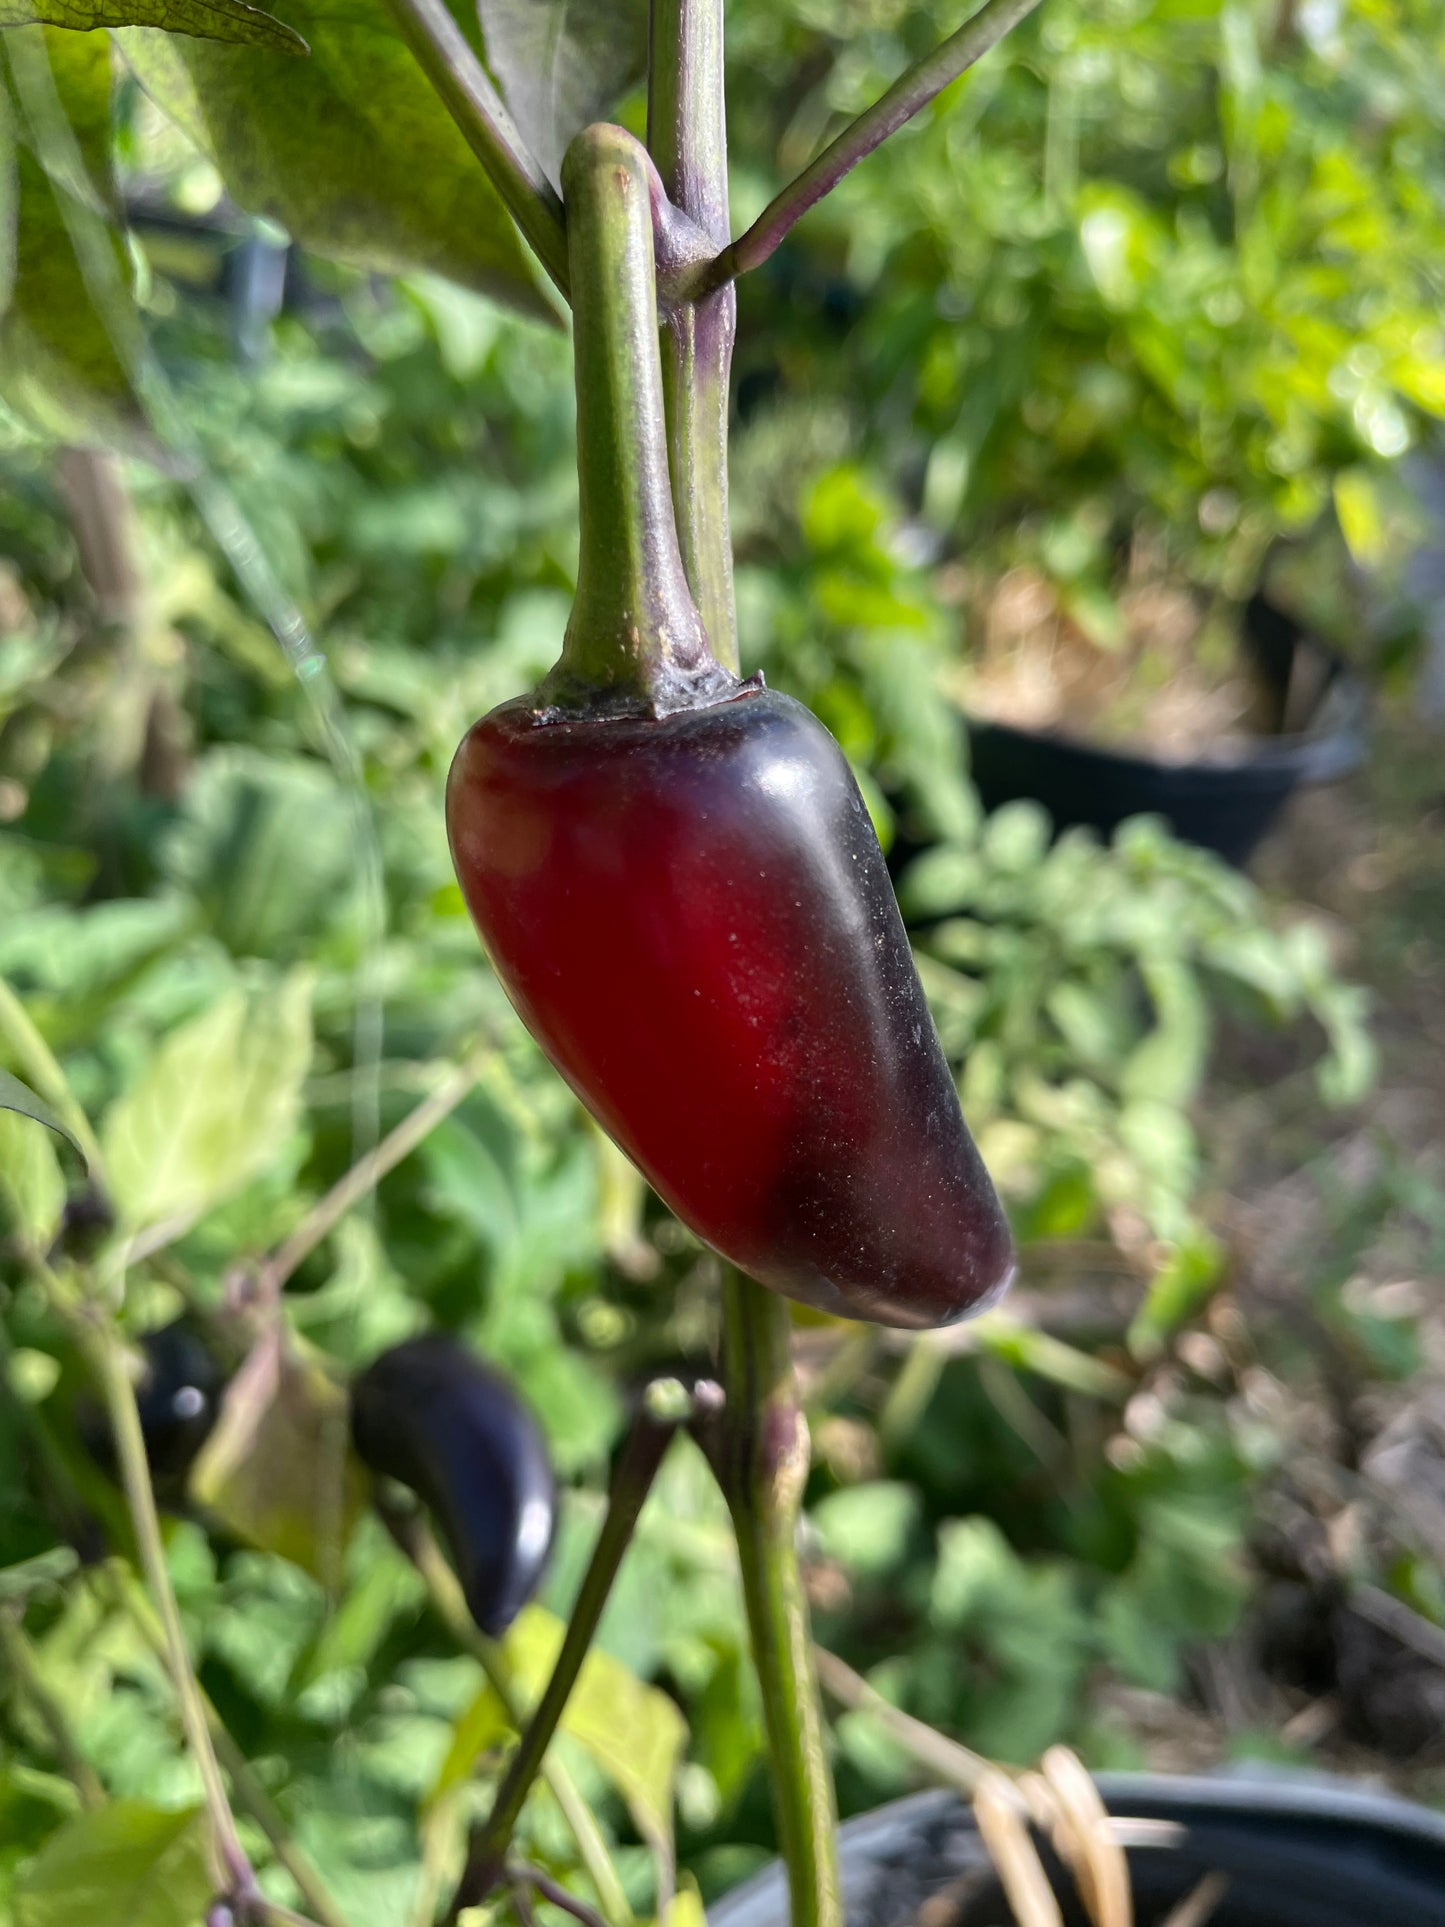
(1330,744)
(1244,1793)
(1224,802)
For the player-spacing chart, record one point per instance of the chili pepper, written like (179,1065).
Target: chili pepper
(429,1414)
(681,891)
(177,1397)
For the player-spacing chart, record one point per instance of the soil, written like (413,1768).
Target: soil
(1168,680)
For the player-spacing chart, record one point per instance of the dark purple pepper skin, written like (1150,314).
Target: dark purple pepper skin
(693,917)
(178,1397)
(430,1415)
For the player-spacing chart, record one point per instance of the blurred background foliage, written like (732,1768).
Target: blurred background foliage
(1155,275)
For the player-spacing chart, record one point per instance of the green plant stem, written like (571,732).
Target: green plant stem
(631,1482)
(37,1062)
(763,1465)
(634,629)
(20,1662)
(451,1607)
(906,97)
(466,91)
(687,138)
(247,1790)
(106,1357)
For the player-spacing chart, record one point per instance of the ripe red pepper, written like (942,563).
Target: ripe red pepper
(680,889)
(694,919)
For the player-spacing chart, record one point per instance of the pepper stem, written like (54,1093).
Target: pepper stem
(635,633)
(762,1460)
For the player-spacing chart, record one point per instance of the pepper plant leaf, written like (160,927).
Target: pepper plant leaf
(207,19)
(126,1861)
(561,66)
(68,326)
(277,1472)
(31,1182)
(213,1105)
(15,1096)
(351,151)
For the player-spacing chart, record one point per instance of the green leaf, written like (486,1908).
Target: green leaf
(30,1175)
(213,1107)
(482,1725)
(633,1731)
(351,151)
(268,847)
(127,1862)
(207,19)
(15,1096)
(868,1527)
(1026,1634)
(277,1471)
(67,331)
(1168,1065)
(562,66)
(32,1806)
(636,1735)
(1184,1282)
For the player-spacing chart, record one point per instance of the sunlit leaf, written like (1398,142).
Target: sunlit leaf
(1184,1283)
(127,1862)
(15,1096)
(634,1732)
(868,1526)
(30,1174)
(217,1101)
(277,1472)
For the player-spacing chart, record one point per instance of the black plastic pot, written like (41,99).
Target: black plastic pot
(1224,803)
(1296,1851)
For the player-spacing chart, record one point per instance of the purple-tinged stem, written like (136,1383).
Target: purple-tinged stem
(908,94)
(687,138)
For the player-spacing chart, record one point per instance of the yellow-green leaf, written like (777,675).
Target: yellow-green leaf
(30,1177)
(633,1731)
(218,1101)
(127,1862)
(278,1470)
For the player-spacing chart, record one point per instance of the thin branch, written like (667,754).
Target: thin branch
(466,91)
(272,1913)
(106,1357)
(451,1607)
(554,1891)
(910,93)
(246,1789)
(944,1759)
(631,1482)
(368,1172)
(1401,1622)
